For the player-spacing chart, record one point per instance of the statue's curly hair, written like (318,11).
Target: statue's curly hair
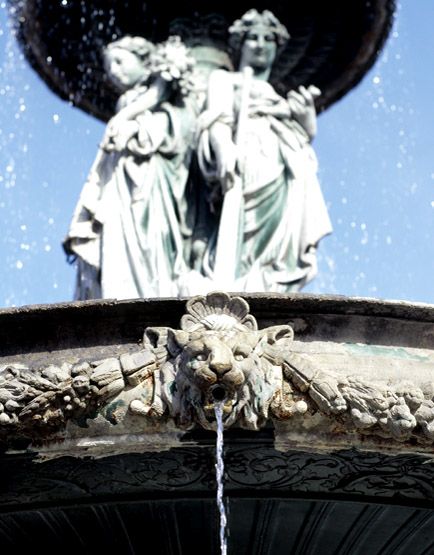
(240,27)
(139,46)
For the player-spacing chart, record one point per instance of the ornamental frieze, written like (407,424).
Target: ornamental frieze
(217,354)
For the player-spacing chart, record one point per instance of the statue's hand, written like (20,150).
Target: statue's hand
(226,158)
(109,135)
(302,106)
(225,154)
(198,250)
(117,136)
(114,125)
(278,109)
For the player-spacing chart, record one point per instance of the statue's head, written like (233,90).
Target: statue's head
(133,60)
(126,61)
(257,37)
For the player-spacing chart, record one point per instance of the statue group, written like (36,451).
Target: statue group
(205,178)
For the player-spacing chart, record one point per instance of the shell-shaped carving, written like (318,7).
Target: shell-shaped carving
(217,311)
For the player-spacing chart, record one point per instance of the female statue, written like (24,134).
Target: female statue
(126,232)
(254,151)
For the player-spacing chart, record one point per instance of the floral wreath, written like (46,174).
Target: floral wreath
(173,62)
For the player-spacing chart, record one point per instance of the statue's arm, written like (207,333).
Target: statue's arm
(124,125)
(220,101)
(153,96)
(302,105)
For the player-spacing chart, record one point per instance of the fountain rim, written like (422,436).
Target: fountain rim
(260,304)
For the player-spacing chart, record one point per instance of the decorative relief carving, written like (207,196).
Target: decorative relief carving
(397,410)
(218,354)
(248,468)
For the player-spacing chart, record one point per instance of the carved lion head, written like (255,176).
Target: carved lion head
(220,356)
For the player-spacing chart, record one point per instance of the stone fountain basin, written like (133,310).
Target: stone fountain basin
(313,483)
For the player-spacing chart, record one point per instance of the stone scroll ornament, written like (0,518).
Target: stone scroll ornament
(218,354)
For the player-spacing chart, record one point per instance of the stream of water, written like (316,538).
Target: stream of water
(220,469)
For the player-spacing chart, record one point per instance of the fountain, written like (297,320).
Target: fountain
(109,409)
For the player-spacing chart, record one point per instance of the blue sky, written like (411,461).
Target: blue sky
(375,149)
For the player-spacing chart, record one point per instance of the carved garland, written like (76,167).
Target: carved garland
(218,353)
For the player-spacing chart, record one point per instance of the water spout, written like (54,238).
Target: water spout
(218,408)
(218,393)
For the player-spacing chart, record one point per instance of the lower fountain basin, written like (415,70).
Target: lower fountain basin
(313,482)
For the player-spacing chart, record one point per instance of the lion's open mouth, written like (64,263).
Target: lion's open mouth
(217,394)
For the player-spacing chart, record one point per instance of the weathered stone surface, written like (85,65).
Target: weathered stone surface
(276,501)
(250,464)
(341,373)
(137,367)
(319,390)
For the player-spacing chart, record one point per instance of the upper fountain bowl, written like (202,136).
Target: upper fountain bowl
(332,46)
